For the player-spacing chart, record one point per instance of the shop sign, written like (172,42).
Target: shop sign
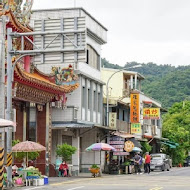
(120,153)
(119,150)
(129,145)
(112,120)
(116,138)
(118,146)
(135,128)
(151,113)
(134,112)
(116,142)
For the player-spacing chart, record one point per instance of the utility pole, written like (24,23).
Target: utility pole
(9,102)
(2,67)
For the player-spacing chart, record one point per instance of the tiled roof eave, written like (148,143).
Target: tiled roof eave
(45,85)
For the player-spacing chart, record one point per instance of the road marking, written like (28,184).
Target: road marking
(156,188)
(34,188)
(65,182)
(76,188)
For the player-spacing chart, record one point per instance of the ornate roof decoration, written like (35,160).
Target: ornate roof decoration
(21,10)
(64,76)
(37,80)
(18,17)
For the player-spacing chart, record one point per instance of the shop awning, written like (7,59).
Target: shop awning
(71,125)
(123,134)
(170,144)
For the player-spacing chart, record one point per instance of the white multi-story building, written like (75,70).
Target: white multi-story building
(121,85)
(79,38)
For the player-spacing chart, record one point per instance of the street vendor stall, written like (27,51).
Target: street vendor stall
(30,175)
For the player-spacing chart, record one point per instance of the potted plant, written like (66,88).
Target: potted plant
(94,169)
(127,165)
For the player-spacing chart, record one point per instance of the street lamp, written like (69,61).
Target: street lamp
(107,96)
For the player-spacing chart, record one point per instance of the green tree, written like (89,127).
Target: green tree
(176,127)
(65,151)
(146,147)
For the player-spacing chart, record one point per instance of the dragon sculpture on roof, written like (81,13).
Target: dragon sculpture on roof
(21,9)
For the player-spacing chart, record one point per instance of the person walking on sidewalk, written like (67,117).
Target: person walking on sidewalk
(137,160)
(147,163)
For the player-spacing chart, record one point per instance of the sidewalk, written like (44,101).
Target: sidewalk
(55,180)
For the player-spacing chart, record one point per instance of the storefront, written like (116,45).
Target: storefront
(117,162)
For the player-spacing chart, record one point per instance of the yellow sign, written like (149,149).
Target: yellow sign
(129,145)
(151,113)
(134,112)
(112,120)
(135,128)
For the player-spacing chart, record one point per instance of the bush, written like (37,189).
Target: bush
(65,151)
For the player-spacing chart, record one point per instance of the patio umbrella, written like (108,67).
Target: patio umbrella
(4,122)
(136,149)
(100,147)
(28,146)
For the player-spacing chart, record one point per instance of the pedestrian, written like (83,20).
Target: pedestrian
(64,169)
(137,163)
(147,163)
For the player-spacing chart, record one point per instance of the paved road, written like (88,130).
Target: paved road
(175,179)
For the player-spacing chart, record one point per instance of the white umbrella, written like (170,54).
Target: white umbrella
(4,122)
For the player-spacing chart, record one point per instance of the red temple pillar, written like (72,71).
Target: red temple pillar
(41,137)
(27,64)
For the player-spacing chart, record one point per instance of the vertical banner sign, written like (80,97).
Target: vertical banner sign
(135,128)
(1,166)
(134,113)
(151,113)
(112,120)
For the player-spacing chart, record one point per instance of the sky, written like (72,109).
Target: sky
(138,30)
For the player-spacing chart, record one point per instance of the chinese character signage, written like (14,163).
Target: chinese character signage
(151,113)
(129,145)
(112,120)
(134,113)
(135,128)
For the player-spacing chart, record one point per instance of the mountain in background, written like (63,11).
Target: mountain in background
(165,83)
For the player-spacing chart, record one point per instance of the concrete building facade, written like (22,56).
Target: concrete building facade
(121,86)
(80,122)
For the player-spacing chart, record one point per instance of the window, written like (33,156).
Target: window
(94,101)
(87,56)
(89,98)
(99,102)
(92,57)
(83,97)
(32,131)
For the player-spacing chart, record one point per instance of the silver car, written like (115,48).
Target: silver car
(159,161)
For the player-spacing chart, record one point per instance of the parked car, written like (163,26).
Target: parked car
(187,161)
(159,161)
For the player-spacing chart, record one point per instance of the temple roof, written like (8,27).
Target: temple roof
(17,26)
(41,81)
